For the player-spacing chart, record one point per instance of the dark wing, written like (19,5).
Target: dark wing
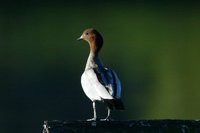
(108,78)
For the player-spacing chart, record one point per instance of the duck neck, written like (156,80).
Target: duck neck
(93,59)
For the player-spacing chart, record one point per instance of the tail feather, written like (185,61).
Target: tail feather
(114,104)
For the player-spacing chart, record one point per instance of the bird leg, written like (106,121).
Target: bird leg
(108,115)
(95,115)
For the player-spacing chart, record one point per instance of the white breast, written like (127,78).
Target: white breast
(92,87)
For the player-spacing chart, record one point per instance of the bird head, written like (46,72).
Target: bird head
(93,37)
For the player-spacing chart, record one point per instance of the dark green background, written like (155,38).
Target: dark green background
(153,46)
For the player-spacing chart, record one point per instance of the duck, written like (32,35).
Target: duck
(99,83)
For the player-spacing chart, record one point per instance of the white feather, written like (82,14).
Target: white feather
(92,87)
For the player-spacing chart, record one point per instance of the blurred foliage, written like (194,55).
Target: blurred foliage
(153,46)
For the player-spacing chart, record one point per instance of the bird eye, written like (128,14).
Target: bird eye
(87,33)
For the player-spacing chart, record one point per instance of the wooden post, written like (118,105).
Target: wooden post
(134,126)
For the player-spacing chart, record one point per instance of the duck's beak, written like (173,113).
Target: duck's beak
(80,38)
